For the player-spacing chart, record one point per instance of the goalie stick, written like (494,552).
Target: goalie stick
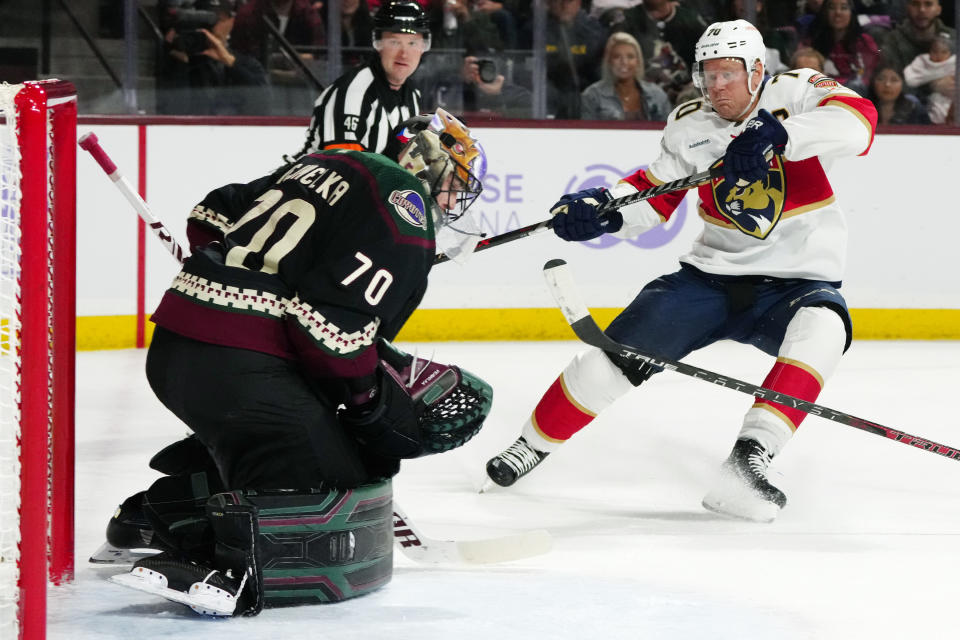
(89,143)
(564,291)
(411,541)
(406,536)
(417,546)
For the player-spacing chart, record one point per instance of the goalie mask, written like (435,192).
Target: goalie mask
(440,151)
(736,39)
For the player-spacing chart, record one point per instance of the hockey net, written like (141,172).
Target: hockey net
(38,141)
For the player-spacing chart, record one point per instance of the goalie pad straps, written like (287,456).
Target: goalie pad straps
(304,547)
(236,528)
(175,508)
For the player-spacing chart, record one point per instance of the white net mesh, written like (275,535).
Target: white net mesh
(9,359)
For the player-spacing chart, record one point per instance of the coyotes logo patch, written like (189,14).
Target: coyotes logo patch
(755,208)
(821,81)
(410,206)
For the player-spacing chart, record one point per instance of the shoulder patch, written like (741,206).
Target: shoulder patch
(821,81)
(410,206)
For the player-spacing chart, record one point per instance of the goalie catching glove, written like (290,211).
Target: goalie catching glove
(576,216)
(418,407)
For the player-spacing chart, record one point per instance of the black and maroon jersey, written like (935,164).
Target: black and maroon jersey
(314,263)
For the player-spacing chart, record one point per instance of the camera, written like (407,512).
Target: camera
(488,69)
(187,22)
(191,43)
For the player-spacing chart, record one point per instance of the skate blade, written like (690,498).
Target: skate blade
(202,598)
(745,506)
(109,554)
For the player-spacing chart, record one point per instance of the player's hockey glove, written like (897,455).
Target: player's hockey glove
(575,215)
(748,155)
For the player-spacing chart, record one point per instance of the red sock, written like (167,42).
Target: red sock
(793,379)
(558,416)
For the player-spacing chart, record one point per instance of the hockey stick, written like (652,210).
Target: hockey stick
(565,292)
(411,542)
(415,545)
(682,184)
(88,142)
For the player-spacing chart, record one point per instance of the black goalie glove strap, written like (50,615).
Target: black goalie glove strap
(421,407)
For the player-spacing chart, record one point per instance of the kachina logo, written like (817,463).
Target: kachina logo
(604,175)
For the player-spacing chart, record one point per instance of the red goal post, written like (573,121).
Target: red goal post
(38,141)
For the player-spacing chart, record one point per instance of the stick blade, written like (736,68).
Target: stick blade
(561,285)
(508,548)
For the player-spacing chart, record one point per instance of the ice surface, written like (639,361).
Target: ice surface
(867,546)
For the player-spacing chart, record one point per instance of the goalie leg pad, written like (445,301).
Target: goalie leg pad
(311,547)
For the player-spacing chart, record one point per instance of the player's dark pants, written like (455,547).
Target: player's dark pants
(681,312)
(262,423)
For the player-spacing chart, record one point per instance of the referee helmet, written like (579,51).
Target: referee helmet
(401,16)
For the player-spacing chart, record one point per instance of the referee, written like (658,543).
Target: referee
(361,108)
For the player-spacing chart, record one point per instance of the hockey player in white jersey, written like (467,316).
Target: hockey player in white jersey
(765,271)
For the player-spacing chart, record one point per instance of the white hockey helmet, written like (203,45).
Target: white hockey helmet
(732,39)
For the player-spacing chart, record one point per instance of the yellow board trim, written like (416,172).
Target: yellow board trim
(441,325)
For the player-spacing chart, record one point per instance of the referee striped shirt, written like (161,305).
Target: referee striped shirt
(358,111)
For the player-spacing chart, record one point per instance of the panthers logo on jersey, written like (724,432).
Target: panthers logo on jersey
(755,208)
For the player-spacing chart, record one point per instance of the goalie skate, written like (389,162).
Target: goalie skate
(130,536)
(742,489)
(205,590)
(517,461)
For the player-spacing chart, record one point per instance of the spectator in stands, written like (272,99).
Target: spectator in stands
(934,74)
(807,58)
(808,10)
(779,45)
(574,46)
(462,24)
(893,105)
(296,20)
(851,53)
(622,93)
(356,30)
(199,72)
(709,10)
(600,7)
(667,32)
(913,35)
(480,87)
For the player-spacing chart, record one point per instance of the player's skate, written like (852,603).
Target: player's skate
(203,589)
(743,490)
(129,535)
(517,461)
